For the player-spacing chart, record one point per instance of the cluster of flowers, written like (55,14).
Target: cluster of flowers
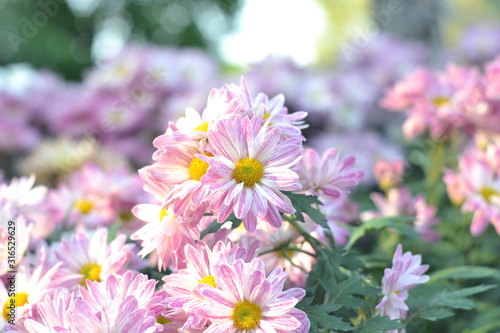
(235,158)
(130,93)
(461,98)
(476,186)
(124,100)
(463,105)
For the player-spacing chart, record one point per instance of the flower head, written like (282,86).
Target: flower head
(248,301)
(405,274)
(249,168)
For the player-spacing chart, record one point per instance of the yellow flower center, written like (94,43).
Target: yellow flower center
(162,320)
(203,127)
(285,253)
(18,299)
(209,279)
(198,168)
(163,213)
(248,171)
(84,206)
(487,192)
(440,101)
(246,315)
(266,115)
(90,272)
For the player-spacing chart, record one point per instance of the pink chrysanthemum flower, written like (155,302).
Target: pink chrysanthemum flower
(31,285)
(92,258)
(220,102)
(245,300)
(165,233)
(405,274)
(200,263)
(117,288)
(478,184)
(93,197)
(388,173)
(249,169)
(123,305)
(328,176)
(24,196)
(177,166)
(272,109)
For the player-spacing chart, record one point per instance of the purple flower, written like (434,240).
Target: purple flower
(405,274)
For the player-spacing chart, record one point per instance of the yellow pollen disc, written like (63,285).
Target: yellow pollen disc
(246,315)
(439,101)
(488,192)
(248,171)
(198,168)
(18,299)
(266,115)
(203,127)
(163,213)
(285,254)
(91,272)
(84,206)
(162,320)
(209,279)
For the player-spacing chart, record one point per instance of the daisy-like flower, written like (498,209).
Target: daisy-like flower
(177,166)
(93,197)
(328,176)
(121,305)
(388,173)
(272,109)
(181,286)
(28,287)
(165,233)
(406,273)
(245,300)
(477,183)
(92,258)
(249,169)
(101,295)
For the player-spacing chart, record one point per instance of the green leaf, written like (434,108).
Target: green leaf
(304,204)
(466,272)
(486,320)
(351,292)
(320,316)
(437,301)
(379,324)
(397,223)
(113,230)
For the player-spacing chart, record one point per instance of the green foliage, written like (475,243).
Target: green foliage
(438,301)
(65,39)
(466,272)
(379,324)
(397,224)
(305,204)
(351,292)
(321,316)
